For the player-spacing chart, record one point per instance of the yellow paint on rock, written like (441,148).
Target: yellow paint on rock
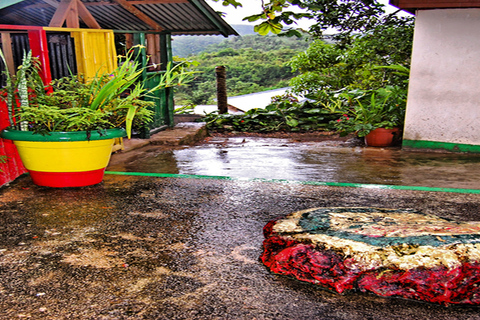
(365,256)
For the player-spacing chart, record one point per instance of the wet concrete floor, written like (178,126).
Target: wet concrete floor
(327,161)
(176,248)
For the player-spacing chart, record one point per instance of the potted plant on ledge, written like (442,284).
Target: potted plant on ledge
(64,132)
(377,115)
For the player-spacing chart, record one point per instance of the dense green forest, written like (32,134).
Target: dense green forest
(185,46)
(254,63)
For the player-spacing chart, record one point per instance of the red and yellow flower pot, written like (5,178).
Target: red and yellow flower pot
(65,159)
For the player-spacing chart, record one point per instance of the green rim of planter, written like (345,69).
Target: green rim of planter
(63,136)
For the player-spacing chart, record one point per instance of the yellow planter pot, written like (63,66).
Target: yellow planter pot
(65,162)
(79,155)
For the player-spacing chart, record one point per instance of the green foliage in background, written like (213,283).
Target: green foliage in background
(262,43)
(285,113)
(353,86)
(253,63)
(360,78)
(332,67)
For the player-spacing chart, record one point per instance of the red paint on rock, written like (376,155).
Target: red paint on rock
(438,285)
(327,268)
(305,263)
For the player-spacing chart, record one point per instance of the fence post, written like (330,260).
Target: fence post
(221,89)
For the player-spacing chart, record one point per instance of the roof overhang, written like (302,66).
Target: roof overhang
(413,5)
(179,17)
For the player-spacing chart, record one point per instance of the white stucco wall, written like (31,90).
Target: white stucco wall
(444,95)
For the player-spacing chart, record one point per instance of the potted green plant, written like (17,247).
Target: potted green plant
(377,115)
(64,132)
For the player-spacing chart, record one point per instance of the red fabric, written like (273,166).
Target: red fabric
(439,285)
(13,167)
(303,262)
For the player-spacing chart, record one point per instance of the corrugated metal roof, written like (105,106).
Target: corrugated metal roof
(178,17)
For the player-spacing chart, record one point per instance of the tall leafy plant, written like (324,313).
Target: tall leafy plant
(77,104)
(16,92)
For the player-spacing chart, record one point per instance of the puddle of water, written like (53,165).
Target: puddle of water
(269,158)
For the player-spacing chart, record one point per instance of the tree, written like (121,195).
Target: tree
(366,37)
(333,67)
(345,16)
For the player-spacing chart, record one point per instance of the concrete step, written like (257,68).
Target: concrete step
(184,133)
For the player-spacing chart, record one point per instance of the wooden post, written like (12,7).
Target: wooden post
(72,16)
(153,51)
(165,54)
(221,74)
(7,52)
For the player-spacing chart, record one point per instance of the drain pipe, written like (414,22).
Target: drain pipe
(221,75)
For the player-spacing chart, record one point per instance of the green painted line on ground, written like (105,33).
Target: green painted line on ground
(435,145)
(313,183)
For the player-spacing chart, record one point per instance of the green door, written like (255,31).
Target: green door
(163,100)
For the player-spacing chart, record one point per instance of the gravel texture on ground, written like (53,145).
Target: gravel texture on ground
(171,248)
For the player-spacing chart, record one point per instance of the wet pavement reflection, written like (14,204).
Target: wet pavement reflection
(270,158)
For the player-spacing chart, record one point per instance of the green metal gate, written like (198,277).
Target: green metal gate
(163,99)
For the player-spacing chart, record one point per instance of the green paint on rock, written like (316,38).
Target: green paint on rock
(319,222)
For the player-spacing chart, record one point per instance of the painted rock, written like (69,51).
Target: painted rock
(389,252)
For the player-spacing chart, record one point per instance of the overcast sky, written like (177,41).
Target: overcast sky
(250,7)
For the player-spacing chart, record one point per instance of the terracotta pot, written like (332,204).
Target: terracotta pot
(381,137)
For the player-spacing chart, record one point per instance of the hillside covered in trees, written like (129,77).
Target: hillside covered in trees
(254,63)
(185,46)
